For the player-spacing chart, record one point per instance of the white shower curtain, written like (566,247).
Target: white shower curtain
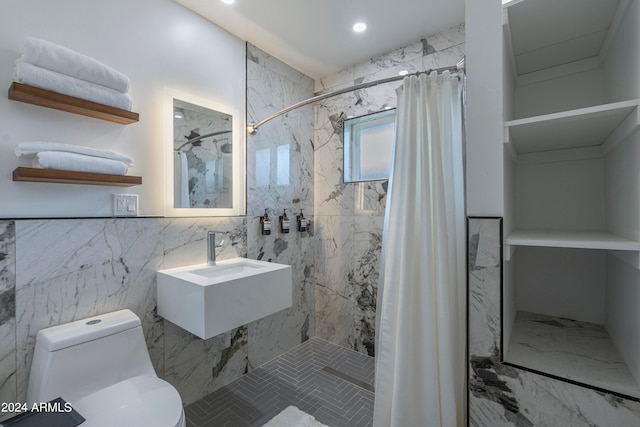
(420,353)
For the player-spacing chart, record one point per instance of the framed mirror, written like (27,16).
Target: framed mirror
(204,157)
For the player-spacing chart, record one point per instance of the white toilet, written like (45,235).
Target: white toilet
(101,366)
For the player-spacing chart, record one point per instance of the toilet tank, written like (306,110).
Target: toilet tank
(78,358)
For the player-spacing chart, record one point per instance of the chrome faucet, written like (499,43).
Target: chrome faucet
(211,247)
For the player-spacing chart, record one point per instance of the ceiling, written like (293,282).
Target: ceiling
(547,33)
(315,36)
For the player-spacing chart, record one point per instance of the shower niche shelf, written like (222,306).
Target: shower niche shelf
(72,177)
(58,101)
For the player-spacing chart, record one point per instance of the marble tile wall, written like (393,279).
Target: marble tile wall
(501,395)
(271,87)
(349,217)
(57,271)
(60,270)
(8,382)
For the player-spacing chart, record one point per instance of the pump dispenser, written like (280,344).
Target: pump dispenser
(302,222)
(265,224)
(284,222)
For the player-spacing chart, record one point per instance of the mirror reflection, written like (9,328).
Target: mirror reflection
(272,166)
(204,157)
(202,165)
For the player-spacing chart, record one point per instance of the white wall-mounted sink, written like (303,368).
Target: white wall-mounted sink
(210,300)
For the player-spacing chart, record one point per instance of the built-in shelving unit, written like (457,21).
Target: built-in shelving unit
(72,177)
(572,191)
(46,98)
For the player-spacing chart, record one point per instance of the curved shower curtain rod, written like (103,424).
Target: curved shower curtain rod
(201,137)
(252,128)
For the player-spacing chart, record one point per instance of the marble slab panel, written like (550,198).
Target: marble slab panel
(579,351)
(334,316)
(8,380)
(185,239)
(194,366)
(334,256)
(266,61)
(277,183)
(444,58)
(198,367)
(442,40)
(72,269)
(484,285)
(275,334)
(408,58)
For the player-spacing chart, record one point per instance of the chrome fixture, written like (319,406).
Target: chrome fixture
(211,247)
(252,128)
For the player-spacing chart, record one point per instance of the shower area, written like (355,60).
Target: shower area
(336,263)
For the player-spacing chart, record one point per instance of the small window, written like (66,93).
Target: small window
(368,144)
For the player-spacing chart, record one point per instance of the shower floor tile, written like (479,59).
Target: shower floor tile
(332,383)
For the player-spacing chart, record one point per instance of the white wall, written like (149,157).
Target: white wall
(583,89)
(562,282)
(622,314)
(622,61)
(483,20)
(561,195)
(158,44)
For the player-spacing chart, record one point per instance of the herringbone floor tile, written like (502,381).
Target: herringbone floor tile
(295,378)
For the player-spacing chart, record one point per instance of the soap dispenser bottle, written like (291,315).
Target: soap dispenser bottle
(284,222)
(265,224)
(302,223)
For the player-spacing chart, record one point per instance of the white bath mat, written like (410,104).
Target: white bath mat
(293,417)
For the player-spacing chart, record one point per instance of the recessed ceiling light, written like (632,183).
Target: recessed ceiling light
(403,72)
(359,27)
(228,1)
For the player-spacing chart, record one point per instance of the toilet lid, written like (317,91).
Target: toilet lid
(138,401)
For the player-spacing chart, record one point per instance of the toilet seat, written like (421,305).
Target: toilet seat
(139,401)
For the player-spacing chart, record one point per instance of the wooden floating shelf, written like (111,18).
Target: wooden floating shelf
(46,98)
(71,177)
(584,127)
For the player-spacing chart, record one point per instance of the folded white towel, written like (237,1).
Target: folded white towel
(77,162)
(66,61)
(31,148)
(57,82)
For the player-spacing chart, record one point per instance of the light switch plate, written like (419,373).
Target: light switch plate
(125,204)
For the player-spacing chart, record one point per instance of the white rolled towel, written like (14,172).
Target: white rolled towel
(31,148)
(77,162)
(57,82)
(66,61)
